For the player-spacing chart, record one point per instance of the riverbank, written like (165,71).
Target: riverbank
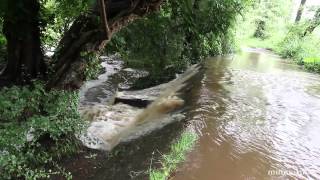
(154,156)
(304,53)
(169,162)
(130,160)
(35,137)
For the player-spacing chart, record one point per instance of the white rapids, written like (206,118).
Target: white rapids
(111,124)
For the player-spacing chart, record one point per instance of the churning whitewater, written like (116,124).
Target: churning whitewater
(112,123)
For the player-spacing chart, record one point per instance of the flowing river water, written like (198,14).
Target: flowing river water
(257,116)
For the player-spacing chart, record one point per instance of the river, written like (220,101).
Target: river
(257,116)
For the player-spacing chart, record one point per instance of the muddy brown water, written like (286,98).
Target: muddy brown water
(257,116)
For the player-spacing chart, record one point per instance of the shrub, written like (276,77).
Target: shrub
(36,128)
(302,49)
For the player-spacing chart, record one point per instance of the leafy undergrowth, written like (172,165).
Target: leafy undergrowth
(268,24)
(37,128)
(176,155)
(302,49)
(312,64)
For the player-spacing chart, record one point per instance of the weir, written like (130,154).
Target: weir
(134,113)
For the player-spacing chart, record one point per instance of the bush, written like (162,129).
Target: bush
(93,68)
(36,128)
(303,49)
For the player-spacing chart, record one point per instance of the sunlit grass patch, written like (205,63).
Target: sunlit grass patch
(312,64)
(312,60)
(176,155)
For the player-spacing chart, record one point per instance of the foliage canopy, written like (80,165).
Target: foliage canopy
(183,33)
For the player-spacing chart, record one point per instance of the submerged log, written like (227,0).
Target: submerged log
(142,98)
(140,103)
(149,94)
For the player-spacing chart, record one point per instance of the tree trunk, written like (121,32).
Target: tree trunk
(315,22)
(24,55)
(300,10)
(88,35)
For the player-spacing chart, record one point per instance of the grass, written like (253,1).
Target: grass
(176,155)
(312,64)
(312,60)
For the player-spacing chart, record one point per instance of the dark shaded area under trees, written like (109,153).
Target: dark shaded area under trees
(87,34)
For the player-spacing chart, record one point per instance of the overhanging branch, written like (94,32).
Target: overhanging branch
(115,14)
(103,15)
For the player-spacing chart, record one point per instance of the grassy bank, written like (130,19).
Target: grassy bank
(302,51)
(176,155)
(288,43)
(270,25)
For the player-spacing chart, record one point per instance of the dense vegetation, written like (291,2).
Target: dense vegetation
(269,24)
(36,127)
(39,119)
(183,33)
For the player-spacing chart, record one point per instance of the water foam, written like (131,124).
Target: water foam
(112,124)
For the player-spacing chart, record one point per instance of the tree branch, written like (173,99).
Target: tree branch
(70,65)
(103,15)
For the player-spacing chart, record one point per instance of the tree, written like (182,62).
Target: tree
(89,33)
(184,32)
(314,23)
(300,10)
(25,57)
